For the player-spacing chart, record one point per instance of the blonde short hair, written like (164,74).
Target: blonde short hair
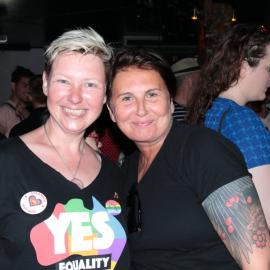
(82,40)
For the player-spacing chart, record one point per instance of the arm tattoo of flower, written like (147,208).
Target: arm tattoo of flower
(236,214)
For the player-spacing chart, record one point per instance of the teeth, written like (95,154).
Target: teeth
(72,111)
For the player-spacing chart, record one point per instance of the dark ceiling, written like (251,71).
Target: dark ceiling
(34,23)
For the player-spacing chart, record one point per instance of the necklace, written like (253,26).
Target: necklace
(75,180)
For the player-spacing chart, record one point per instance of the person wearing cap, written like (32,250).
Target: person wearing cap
(186,71)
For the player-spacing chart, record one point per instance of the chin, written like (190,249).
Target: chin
(262,97)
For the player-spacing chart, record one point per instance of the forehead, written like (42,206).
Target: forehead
(136,80)
(136,75)
(68,59)
(78,64)
(24,80)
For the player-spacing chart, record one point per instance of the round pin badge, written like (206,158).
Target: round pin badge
(113,207)
(33,202)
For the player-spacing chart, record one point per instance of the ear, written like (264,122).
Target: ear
(105,99)
(13,85)
(111,113)
(244,69)
(172,106)
(45,83)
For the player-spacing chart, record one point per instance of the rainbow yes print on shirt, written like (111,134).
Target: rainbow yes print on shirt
(96,235)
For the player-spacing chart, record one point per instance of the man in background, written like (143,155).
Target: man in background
(186,71)
(38,114)
(14,110)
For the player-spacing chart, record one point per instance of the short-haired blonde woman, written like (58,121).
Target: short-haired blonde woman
(62,204)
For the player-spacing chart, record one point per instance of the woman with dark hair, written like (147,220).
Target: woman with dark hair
(238,72)
(192,203)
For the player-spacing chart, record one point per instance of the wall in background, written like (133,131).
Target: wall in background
(9,59)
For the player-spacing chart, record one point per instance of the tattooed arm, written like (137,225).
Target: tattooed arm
(260,177)
(236,214)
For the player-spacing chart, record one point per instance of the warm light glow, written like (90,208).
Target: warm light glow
(233,17)
(194,16)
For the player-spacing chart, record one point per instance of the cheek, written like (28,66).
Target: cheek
(162,109)
(95,97)
(53,96)
(122,113)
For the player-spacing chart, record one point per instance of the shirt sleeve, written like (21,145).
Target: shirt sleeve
(211,162)
(246,130)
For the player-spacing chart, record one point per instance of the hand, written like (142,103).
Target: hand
(93,141)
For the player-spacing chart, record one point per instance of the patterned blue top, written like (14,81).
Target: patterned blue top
(243,127)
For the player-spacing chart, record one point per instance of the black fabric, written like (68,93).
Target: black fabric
(175,231)
(2,137)
(36,118)
(21,172)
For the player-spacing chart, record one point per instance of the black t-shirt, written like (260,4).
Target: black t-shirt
(47,222)
(36,118)
(175,230)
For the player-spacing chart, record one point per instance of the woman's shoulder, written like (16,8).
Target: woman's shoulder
(228,117)
(9,145)
(193,137)
(222,105)
(192,132)
(108,162)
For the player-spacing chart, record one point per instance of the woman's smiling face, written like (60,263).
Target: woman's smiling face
(141,105)
(76,90)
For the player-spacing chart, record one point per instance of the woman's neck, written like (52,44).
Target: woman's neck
(234,94)
(147,155)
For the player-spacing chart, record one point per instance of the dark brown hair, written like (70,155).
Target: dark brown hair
(221,70)
(142,58)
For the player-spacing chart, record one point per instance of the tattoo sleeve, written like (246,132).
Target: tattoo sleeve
(236,214)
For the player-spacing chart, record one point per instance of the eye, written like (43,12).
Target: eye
(152,94)
(62,81)
(126,98)
(90,84)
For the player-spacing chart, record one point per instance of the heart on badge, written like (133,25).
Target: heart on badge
(33,201)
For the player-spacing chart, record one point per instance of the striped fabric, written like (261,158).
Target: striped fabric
(180,112)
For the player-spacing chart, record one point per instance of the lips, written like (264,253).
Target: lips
(143,123)
(75,112)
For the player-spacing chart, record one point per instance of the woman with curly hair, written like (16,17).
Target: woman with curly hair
(237,72)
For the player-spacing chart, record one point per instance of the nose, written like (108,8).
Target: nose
(75,94)
(141,108)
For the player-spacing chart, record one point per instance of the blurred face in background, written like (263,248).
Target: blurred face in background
(21,89)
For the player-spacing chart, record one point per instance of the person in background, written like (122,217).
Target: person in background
(193,204)
(39,112)
(108,139)
(62,203)
(238,72)
(186,71)
(14,110)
